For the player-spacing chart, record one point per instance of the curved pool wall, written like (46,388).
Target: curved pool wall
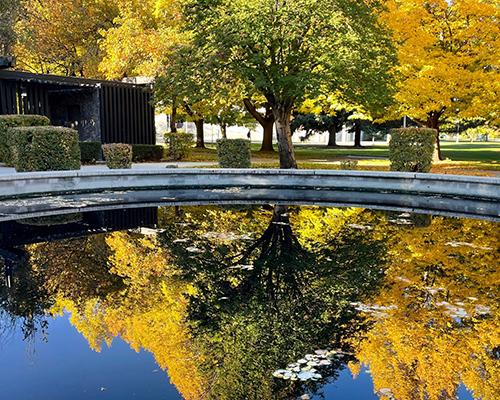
(26,195)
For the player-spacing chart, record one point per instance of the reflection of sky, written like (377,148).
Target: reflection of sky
(66,368)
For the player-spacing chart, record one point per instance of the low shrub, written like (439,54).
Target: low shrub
(90,152)
(178,144)
(117,155)
(147,152)
(11,121)
(411,149)
(234,153)
(44,148)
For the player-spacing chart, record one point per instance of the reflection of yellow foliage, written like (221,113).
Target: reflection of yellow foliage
(148,314)
(419,351)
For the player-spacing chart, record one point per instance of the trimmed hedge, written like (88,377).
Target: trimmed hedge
(411,149)
(179,144)
(147,152)
(234,153)
(90,152)
(44,148)
(12,121)
(117,155)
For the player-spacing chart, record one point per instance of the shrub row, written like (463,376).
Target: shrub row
(178,145)
(117,155)
(90,152)
(11,121)
(411,149)
(147,152)
(234,153)
(44,148)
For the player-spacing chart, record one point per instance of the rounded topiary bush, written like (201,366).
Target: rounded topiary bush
(411,149)
(117,155)
(178,145)
(44,148)
(11,121)
(234,153)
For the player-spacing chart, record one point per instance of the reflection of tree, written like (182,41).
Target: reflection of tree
(262,304)
(444,280)
(224,297)
(23,302)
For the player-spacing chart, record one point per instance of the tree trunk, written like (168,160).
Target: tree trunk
(173,118)
(282,115)
(266,121)
(357,133)
(223,130)
(433,122)
(200,135)
(267,140)
(332,138)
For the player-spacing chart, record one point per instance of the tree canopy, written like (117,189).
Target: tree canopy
(289,50)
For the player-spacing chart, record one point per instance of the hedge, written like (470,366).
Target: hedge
(44,148)
(411,149)
(11,121)
(90,152)
(234,153)
(117,155)
(147,152)
(179,144)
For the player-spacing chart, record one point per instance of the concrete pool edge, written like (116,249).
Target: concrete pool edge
(38,192)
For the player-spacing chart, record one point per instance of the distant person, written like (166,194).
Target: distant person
(249,134)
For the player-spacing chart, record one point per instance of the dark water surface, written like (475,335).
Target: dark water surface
(249,302)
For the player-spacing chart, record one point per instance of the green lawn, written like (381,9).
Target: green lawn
(487,153)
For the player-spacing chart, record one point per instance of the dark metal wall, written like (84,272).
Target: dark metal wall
(127,115)
(23,98)
(126,112)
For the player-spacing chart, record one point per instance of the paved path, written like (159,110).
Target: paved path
(137,166)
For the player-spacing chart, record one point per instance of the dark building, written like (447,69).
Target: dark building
(105,111)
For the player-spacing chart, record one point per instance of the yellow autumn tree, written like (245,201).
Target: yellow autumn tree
(448,58)
(63,36)
(142,38)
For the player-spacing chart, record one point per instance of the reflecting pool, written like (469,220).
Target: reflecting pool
(249,302)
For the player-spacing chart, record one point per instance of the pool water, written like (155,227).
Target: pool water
(249,302)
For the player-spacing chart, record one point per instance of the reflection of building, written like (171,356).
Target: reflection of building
(105,111)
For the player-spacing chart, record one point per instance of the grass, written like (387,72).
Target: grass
(461,158)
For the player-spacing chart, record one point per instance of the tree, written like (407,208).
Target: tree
(265,119)
(448,59)
(321,123)
(63,36)
(292,49)
(189,81)
(9,12)
(141,42)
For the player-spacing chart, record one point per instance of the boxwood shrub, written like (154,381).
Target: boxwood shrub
(117,155)
(44,148)
(11,121)
(234,153)
(147,152)
(90,152)
(411,149)
(179,144)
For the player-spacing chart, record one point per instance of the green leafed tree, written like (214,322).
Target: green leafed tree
(289,50)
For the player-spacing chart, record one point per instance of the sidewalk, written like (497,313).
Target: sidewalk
(159,165)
